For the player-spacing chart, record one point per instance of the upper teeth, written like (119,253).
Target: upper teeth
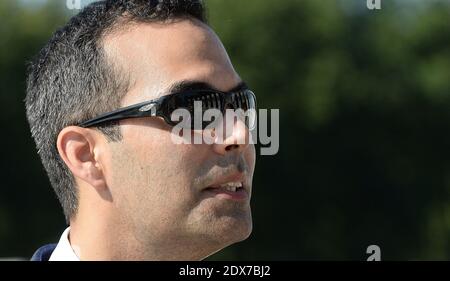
(231,186)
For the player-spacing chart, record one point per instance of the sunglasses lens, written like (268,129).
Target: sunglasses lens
(245,102)
(194,107)
(251,109)
(194,104)
(202,107)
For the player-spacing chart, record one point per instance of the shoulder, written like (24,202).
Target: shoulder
(43,253)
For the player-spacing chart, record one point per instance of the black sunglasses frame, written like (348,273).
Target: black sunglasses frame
(165,105)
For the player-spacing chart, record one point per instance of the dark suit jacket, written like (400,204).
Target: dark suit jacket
(43,253)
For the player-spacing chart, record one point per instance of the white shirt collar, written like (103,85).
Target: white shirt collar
(63,251)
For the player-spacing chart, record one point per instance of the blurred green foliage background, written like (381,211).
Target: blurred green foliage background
(364,99)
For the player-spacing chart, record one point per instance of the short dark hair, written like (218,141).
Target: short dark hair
(71,79)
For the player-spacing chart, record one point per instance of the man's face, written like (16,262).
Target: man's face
(159,188)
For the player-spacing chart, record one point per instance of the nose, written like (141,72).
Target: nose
(233,137)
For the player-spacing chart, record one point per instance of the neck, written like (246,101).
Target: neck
(100,234)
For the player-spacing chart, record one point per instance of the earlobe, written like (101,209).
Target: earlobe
(76,146)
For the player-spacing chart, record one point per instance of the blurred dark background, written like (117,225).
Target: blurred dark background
(364,99)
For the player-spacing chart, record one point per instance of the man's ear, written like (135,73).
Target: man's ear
(78,147)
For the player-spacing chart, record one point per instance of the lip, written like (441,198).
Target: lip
(221,192)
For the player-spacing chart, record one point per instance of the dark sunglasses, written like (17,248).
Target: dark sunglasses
(164,106)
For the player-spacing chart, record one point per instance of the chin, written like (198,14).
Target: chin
(222,240)
(234,229)
(224,232)
(222,225)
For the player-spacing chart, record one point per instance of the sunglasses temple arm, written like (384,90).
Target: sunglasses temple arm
(132,112)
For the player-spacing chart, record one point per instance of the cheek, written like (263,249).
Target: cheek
(147,192)
(250,158)
(148,142)
(151,174)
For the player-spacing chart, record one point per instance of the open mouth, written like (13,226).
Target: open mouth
(231,186)
(229,190)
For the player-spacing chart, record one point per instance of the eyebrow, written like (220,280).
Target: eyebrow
(190,85)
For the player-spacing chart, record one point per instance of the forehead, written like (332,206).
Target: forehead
(158,55)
